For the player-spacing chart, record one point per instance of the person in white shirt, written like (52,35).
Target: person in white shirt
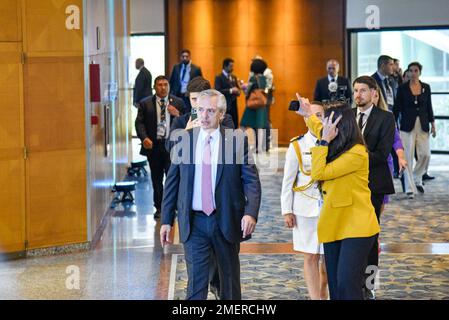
(300,203)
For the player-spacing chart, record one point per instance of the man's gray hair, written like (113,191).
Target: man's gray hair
(221,100)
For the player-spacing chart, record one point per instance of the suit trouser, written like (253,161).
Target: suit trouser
(159,161)
(418,139)
(205,236)
(346,263)
(373,256)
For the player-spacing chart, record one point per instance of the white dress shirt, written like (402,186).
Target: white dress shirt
(330,78)
(214,144)
(365,117)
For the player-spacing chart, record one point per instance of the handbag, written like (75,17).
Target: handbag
(256,100)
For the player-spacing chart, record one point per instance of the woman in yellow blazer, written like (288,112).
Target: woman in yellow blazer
(348,223)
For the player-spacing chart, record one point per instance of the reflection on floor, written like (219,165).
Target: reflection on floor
(128,262)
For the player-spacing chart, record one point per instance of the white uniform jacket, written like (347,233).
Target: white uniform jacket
(305,203)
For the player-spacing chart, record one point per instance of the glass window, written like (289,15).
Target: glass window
(429,47)
(151,48)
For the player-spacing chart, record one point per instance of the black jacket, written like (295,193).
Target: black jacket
(175,77)
(322,90)
(142,85)
(405,110)
(146,120)
(379,138)
(237,188)
(223,85)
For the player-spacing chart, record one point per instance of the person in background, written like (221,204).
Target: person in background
(300,203)
(256,119)
(322,92)
(153,122)
(347,225)
(228,85)
(142,84)
(180,76)
(414,110)
(379,101)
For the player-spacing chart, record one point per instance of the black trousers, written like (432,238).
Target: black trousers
(159,161)
(346,264)
(373,257)
(205,239)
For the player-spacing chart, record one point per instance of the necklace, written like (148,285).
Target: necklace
(416,99)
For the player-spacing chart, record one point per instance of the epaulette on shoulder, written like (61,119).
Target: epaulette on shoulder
(296,138)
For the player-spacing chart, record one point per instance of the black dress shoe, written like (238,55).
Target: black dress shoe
(427,177)
(420,189)
(157,214)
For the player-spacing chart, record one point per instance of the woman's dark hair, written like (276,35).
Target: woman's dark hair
(348,132)
(258,66)
(416,64)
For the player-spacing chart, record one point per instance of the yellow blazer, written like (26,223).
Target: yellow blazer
(347,211)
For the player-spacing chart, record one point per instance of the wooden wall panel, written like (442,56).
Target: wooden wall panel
(54,125)
(10,20)
(57,198)
(46,27)
(295,37)
(55,104)
(12,163)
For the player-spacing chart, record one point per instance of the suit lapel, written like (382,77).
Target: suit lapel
(371,121)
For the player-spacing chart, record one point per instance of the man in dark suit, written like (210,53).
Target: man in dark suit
(153,122)
(228,85)
(384,79)
(216,189)
(378,127)
(343,87)
(187,122)
(180,76)
(142,85)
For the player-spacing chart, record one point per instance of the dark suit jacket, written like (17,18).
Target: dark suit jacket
(223,85)
(175,77)
(381,86)
(379,138)
(322,90)
(146,121)
(406,111)
(180,123)
(237,189)
(142,85)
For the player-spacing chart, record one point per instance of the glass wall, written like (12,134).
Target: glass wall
(430,47)
(151,48)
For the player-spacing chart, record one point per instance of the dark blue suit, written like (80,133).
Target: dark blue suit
(237,193)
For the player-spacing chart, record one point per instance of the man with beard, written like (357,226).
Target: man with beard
(378,128)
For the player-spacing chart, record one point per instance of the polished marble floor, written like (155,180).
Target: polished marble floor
(128,262)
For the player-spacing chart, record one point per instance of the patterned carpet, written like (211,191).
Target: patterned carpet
(424,219)
(280,277)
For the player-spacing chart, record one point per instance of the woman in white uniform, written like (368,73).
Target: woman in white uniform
(300,203)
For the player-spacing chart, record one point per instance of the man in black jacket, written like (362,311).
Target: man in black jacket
(153,122)
(378,127)
(228,85)
(142,85)
(180,76)
(343,87)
